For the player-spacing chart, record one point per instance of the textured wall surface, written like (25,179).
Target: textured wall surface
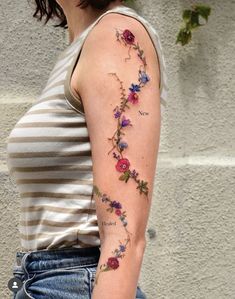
(192,254)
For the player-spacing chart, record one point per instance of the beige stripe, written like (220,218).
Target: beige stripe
(57,245)
(49,98)
(51,223)
(50,154)
(51,195)
(70,244)
(49,139)
(57,72)
(61,245)
(58,210)
(52,168)
(51,124)
(43,235)
(55,111)
(56,83)
(54,181)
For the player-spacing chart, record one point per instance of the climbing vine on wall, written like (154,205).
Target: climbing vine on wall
(192,19)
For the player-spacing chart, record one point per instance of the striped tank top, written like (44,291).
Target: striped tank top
(49,156)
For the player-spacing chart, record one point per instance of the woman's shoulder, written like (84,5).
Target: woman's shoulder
(120,42)
(113,27)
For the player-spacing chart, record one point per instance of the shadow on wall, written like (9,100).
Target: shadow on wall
(198,69)
(203,80)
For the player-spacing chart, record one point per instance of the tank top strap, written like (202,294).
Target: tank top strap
(76,46)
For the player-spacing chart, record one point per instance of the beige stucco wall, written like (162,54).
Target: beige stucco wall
(192,214)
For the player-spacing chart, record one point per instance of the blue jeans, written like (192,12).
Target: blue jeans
(65,273)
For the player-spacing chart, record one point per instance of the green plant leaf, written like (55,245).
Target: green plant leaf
(191,20)
(187,15)
(184,36)
(194,19)
(203,10)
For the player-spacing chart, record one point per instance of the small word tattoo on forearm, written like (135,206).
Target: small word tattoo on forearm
(123,164)
(109,223)
(115,207)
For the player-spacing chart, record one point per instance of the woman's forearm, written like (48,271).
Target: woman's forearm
(120,276)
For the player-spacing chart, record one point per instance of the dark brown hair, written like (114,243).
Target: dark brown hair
(51,9)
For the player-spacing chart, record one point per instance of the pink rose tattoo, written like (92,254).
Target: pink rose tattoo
(122,165)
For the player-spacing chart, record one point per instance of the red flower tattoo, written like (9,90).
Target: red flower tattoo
(113,263)
(122,165)
(118,212)
(128,36)
(133,98)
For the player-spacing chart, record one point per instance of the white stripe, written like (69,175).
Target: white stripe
(47,117)
(53,78)
(51,161)
(48,146)
(69,189)
(53,239)
(55,104)
(54,217)
(77,203)
(64,62)
(54,230)
(53,91)
(60,77)
(53,132)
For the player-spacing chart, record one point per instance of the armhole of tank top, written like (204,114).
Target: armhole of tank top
(76,101)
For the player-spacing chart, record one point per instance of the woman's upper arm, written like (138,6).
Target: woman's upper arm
(119,86)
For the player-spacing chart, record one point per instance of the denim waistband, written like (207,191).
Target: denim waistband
(40,260)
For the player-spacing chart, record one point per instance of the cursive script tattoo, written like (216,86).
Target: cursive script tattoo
(143,113)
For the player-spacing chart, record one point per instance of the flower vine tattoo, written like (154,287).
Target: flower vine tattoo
(123,164)
(116,207)
(118,144)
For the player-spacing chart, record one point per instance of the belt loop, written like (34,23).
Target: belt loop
(23,263)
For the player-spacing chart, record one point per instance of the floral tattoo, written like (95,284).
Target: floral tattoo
(118,144)
(114,207)
(123,164)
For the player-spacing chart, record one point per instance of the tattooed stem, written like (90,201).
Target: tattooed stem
(116,207)
(123,164)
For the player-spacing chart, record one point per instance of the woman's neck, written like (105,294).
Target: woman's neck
(79,19)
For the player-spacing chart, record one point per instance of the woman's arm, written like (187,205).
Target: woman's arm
(119,86)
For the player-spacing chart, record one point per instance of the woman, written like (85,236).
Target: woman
(84,156)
